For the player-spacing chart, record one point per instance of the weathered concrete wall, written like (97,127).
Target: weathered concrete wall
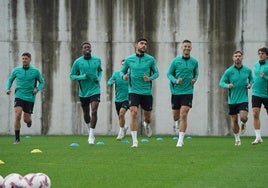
(53,31)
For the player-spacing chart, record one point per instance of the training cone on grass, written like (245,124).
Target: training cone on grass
(144,140)
(74,144)
(159,139)
(100,143)
(36,151)
(2,162)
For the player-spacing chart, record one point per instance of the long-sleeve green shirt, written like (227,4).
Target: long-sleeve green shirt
(240,78)
(26,82)
(185,68)
(121,86)
(88,73)
(260,86)
(137,67)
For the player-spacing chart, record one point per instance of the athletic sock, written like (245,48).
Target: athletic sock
(134,136)
(121,129)
(17,135)
(176,126)
(258,133)
(237,137)
(88,127)
(181,136)
(145,124)
(91,132)
(177,123)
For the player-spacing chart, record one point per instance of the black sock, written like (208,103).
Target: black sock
(17,135)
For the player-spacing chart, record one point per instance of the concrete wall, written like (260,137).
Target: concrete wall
(53,31)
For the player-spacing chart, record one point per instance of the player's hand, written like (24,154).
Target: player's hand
(8,92)
(146,78)
(262,74)
(230,86)
(193,81)
(248,86)
(35,91)
(179,80)
(125,77)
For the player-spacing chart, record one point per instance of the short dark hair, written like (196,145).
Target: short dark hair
(238,51)
(263,49)
(141,39)
(186,41)
(85,42)
(26,54)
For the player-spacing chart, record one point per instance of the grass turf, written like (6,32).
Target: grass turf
(201,162)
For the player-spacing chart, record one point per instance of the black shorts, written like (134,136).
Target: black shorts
(258,101)
(236,108)
(85,101)
(181,100)
(145,101)
(119,105)
(27,106)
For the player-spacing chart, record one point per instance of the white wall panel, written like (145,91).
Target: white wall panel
(53,31)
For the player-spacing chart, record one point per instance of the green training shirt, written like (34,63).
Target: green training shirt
(260,86)
(121,86)
(185,68)
(26,81)
(88,73)
(239,77)
(137,67)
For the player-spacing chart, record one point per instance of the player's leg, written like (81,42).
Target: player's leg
(256,108)
(176,118)
(146,123)
(94,117)
(183,124)
(134,124)
(243,118)
(236,128)
(17,124)
(122,122)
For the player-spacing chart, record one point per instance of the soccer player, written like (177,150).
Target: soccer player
(87,71)
(237,79)
(260,91)
(27,77)
(140,70)
(121,100)
(182,73)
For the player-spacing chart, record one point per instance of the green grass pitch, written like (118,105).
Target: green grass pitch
(201,162)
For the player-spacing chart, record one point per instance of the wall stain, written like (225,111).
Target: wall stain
(14,40)
(266,41)
(28,7)
(221,38)
(175,14)
(79,29)
(108,62)
(48,13)
(37,20)
(145,26)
